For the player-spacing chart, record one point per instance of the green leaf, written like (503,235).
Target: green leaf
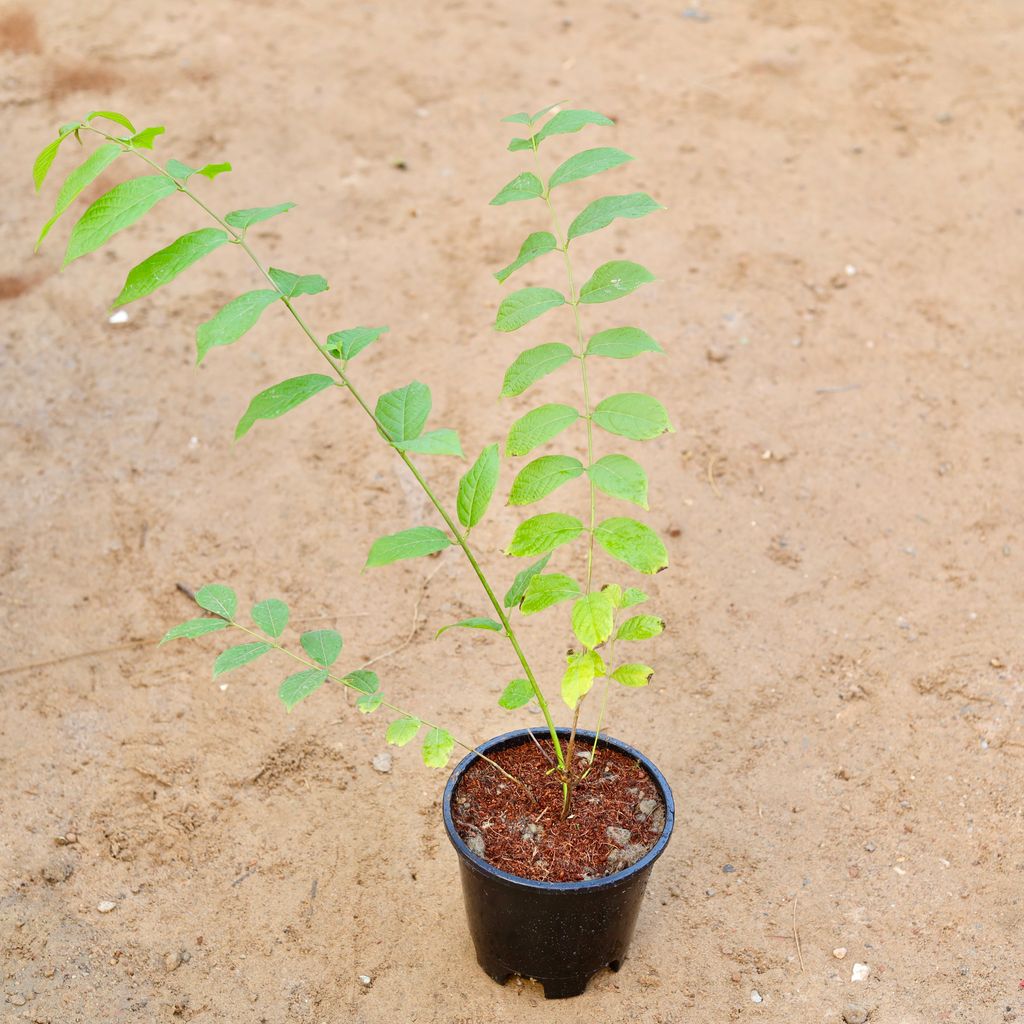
(114,211)
(614,280)
(633,543)
(543,533)
(545,591)
(164,266)
(522,581)
(322,645)
(537,244)
(633,675)
(402,731)
(243,219)
(632,597)
(233,320)
(519,308)
(542,476)
(145,138)
(533,364)
(99,160)
(112,115)
(236,657)
(281,398)
(517,118)
(437,747)
(564,122)
(579,676)
(412,543)
(640,627)
(523,186)
(546,110)
(518,693)
(593,618)
(633,415)
(348,344)
(621,343)
(193,628)
(403,413)
(538,426)
(271,616)
(477,623)
(300,685)
(43,162)
(369,703)
(601,212)
(619,476)
(583,165)
(433,442)
(614,592)
(176,169)
(291,285)
(477,487)
(211,171)
(365,682)
(217,598)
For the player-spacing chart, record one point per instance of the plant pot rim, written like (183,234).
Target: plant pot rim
(606,881)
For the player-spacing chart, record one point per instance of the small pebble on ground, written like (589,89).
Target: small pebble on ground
(382,763)
(106,906)
(854,1014)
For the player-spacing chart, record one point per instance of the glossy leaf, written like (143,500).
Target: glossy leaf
(348,344)
(271,616)
(517,694)
(477,623)
(601,212)
(633,415)
(522,581)
(631,597)
(217,598)
(403,412)
(587,163)
(640,627)
(281,398)
(476,488)
(543,533)
(433,442)
(438,745)
(243,219)
(633,543)
(114,211)
(402,731)
(593,618)
(580,673)
(164,266)
(236,657)
(233,320)
(292,285)
(563,123)
(146,138)
(619,476)
(542,476)
(532,365)
(614,280)
(98,161)
(537,244)
(412,543)
(538,426)
(300,685)
(193,628)
(621,343)
(523,186)
(633,675)
(519,308)
(322,645)
(548,590)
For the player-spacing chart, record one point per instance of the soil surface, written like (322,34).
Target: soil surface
(838,697)
(616,814)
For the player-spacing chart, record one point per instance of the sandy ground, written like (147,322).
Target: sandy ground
(839,699)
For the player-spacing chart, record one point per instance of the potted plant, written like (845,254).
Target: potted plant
(557,829)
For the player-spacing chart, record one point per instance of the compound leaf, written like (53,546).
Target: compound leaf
(563,123)
(98,161)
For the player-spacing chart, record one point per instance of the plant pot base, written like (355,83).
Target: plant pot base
(554,988)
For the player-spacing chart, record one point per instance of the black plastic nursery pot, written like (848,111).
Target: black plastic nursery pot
(558,933)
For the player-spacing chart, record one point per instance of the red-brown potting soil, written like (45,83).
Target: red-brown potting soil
(532,840)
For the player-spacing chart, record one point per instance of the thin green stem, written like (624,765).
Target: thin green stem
(239,239)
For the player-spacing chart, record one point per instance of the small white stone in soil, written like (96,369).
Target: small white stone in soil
(756,997)
(382,763)
(120,317)
(106,906)
(365,980)
(860,972)
(839,952)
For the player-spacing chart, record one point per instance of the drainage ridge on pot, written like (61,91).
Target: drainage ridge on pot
(559,933)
